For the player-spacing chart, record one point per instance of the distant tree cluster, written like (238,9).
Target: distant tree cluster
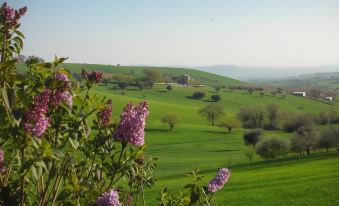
(305,139)
(247,88)
(251,117)
(329,116)
(273,117)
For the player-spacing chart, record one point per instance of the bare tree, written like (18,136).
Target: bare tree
(212,112)
(171,120)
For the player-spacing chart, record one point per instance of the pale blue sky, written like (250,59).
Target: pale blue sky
(184,32)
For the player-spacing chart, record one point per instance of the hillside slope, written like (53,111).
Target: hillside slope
(201,76)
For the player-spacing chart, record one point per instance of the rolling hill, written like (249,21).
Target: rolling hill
(201,76)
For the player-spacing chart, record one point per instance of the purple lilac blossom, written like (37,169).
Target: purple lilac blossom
(61,96)
(35,120)
(106,113)
(61,77)
(219,181)
(110,198)
(132,124)
(2,159)
(94,77)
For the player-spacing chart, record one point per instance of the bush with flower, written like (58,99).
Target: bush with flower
(58,145)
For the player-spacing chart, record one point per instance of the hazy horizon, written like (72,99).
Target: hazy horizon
(245,33)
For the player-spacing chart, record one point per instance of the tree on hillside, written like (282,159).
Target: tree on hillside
(250,90)
(198,95)
(123,80)
(151,77)
(315,93)
(271,148)
(169,87)
(262,93)
(212,112)
(250,154)
(215,98)
(329,138)
(229,124)
(273,111)
(305,139)
(140,84)
(329,116)
(253,136)
(171,120)
(251,117)
(292,122)
(123,85)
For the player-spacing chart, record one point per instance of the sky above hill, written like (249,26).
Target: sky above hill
(184,32)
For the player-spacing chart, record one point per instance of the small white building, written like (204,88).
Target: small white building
(299,94)
(329,98)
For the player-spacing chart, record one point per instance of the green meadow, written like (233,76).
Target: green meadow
(289,180)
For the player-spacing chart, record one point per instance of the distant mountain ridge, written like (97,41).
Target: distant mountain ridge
(253,73)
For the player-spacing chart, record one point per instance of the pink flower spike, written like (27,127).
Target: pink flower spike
(218,182)
(110,198)
(132,124)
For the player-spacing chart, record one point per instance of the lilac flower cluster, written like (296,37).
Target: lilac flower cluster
(110,198)
(35,120)
(11,17)
(62,94)
(94,77)
(61,77)
(106,113)
(219,181)
(2,159)
(132,124)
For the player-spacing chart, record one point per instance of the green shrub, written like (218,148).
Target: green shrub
(198,95)
(216,98)
(305,139)
(253,136)
(272,148)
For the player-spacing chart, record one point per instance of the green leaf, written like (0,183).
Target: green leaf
(74,143)
(34,172)
(19,33)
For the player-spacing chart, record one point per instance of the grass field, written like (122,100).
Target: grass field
(290,180)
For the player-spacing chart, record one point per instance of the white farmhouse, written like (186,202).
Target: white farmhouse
(299,94)
(329,98)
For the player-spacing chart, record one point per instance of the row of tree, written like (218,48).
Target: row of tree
(306,138)
(273,117)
